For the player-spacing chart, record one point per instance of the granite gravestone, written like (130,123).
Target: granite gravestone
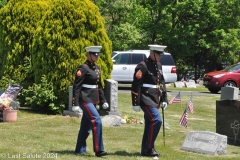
(111,95)
(205,142)
(229,93)
(178,84)
(190,84)
(228,120)
(111,120)
(69,111)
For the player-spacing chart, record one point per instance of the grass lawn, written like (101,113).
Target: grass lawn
(35,135)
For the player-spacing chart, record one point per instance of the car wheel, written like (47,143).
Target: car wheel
(213,90)
(230,84)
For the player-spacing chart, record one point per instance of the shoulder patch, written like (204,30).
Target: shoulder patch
(79,73)
(139,74)
(143,62)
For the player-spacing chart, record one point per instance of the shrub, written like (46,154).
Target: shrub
(41,97)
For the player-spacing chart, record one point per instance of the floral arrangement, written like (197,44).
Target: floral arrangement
(7,103)
(132,120)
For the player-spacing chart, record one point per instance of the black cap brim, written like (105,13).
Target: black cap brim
(95,53)
(158,52)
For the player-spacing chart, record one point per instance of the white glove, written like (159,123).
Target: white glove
(105,105)
(136,108)
(164,105)
(76,109)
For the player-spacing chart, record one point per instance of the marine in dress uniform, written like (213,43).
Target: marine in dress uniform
(148,91)
(87,93)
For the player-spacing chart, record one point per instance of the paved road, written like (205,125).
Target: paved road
(126,90)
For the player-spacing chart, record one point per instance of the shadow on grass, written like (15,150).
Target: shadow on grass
(124,153)
(35,111)
(118,153)
(70,152)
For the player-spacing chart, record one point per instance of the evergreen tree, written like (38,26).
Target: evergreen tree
(54,34)
(19,20)
(64,31)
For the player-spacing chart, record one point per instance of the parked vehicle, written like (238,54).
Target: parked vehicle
(125,62)
(228,77)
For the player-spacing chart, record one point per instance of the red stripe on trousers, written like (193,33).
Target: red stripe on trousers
(93,128)
(152,127)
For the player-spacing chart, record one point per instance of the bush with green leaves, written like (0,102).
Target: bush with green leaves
(41,97)
(54,34)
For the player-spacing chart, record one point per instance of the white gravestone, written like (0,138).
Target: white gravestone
(190,84)
(229,93)
(111,120)
(178,84)
(205,142)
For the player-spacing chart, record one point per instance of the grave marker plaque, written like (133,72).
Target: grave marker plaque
(190,84)
(178,84)
(205,142)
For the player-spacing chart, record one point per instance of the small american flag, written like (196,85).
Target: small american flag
(190,105)
(184,119)
(176,99)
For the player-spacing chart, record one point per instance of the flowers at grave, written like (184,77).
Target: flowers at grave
(7,103)
(132,120)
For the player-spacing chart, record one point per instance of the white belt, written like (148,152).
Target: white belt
(89,86)
(150,85)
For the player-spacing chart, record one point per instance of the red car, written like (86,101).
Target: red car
(229,76)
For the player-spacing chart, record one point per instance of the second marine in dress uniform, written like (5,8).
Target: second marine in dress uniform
(148,91)
(87,93)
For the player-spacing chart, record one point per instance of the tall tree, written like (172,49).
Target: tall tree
(3,3)
(64,31)
(19,20)
(123,19)
(54,34)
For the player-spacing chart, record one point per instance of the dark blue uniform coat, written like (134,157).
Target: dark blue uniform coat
(148,98)
(87,98)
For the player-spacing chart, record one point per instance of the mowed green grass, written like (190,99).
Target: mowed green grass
(35,135)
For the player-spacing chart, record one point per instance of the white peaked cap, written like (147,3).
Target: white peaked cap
(93,49)
(157,47)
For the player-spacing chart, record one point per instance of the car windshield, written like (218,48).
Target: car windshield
(113,54)
(232,68)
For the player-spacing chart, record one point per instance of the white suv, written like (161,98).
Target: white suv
(125,62)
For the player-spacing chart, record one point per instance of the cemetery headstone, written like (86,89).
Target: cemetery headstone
(111,95)
(111,120)
(205,142)
(229,93)
(69,111)
(200,82)
(228,120)
(190,84)
(178,84)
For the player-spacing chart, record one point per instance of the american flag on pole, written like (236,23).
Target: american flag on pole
(190,105)
(184,119)
(176,99)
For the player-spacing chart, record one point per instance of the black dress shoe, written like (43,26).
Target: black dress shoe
(101,153)
(150,153)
